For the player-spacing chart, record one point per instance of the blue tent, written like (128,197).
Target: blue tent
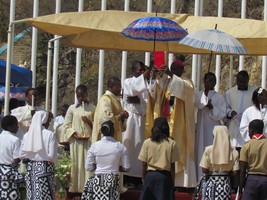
(19,76)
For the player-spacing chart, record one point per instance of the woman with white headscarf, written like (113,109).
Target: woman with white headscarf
(40,147)
(218,162)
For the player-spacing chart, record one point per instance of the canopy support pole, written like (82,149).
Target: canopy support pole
(78,58)
(10,39)
(48,72)
(101,60)
(34,43)
(124,53)
(173,9)
(218,57)
(264,58)
(195,57)
(55,66)
(147,54)
(243,16)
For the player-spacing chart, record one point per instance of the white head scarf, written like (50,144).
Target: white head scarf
(222,148)
(33,139)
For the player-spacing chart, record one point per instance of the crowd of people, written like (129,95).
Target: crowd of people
(142,133)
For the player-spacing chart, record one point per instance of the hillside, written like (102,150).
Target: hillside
(90,61)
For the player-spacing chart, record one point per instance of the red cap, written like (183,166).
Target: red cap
(179,63)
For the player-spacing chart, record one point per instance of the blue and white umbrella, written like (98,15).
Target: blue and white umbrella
(214,40)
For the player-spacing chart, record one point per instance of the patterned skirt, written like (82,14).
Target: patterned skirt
(217,187)
(8,185)
(102,186)
(40,182)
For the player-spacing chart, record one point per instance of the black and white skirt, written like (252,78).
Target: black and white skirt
(40,182)
(8,185)
(217,187)
(102,186)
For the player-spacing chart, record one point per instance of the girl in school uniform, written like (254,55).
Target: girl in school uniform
(159,154)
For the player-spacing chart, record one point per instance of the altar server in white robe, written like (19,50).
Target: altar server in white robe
(238,99)
(24,113)
(78,125)
(135,91)
(257,111)
(211,112)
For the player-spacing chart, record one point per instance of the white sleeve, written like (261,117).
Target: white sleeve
(22,154)
(219,108)
(90,159)
(201,100)
(125,162)
(52,152)
(176,86)
(244,126)
(22,114)
(16,148)
(135,86)
(228,103)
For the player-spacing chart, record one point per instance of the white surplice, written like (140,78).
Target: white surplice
(206,120)
(24,117)
(133,137)
(239,101)
(250,114)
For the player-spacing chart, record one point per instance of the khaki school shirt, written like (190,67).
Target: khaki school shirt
(254,152)
(159,156)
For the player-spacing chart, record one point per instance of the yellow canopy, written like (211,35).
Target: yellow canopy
(102,30)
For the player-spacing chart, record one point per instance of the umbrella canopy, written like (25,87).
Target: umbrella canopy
(19,76)
(154,28)
(15,92)
(102,30)
(214,40)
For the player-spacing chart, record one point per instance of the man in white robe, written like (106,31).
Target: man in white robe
(238,99)
(211,112)
(24,113)
(180,116)
(135,91)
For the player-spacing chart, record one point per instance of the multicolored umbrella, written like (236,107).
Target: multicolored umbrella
(15,92)
(214,40)
(154,29)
